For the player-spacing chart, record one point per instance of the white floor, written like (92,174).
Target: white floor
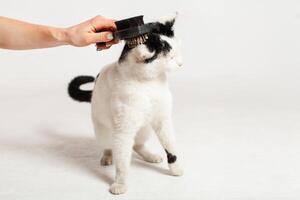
(236,105)
(235,142)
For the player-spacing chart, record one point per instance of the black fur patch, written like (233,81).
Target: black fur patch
(157,45)
(76,93)
(124,53)
(171,158)
(165,29)
(154,43)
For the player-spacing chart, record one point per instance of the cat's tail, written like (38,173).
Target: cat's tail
(76,93)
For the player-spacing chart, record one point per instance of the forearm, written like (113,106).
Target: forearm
(16,35)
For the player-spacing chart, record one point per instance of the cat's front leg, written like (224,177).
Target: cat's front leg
(126,126)
(165,133)
(122,150)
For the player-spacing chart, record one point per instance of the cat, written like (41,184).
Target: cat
(131,99)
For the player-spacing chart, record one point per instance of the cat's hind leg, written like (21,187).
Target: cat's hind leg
(140,148)
(106,158)
(104,144)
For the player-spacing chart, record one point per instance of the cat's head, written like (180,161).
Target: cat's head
(162,48)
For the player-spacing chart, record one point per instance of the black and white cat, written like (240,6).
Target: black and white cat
(131,99)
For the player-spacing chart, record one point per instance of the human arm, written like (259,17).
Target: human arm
(19,35)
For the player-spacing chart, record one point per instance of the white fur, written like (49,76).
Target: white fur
(131,100)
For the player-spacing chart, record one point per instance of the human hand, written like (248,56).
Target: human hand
(96,30)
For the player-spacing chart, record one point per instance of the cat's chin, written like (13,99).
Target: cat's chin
(173,66)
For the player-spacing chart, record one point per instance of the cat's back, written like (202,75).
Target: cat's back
(104,84)
(107,73)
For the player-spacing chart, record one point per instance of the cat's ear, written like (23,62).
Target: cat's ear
(168,19)
(166,24)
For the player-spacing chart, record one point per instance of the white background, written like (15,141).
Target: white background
(236,105)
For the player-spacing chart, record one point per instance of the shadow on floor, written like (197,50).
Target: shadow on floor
(76,152)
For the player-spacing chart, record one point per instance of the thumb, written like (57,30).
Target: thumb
(104,36)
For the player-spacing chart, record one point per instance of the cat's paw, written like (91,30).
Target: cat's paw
(117,188)
(175,170)
(106,160)
(153,158)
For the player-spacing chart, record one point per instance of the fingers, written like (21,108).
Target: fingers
(104,36)
(106,45)
(100,23)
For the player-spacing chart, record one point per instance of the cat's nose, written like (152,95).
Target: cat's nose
(177,60)
(180,64)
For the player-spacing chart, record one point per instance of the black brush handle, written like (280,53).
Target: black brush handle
(130,22)
(124,24)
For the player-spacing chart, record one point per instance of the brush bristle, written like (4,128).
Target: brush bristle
(133,42)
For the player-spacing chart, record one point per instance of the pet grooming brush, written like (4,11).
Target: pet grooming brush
(133,30)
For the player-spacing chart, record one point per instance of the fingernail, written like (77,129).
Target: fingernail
(110,36)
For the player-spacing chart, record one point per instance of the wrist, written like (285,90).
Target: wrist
(60,35)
